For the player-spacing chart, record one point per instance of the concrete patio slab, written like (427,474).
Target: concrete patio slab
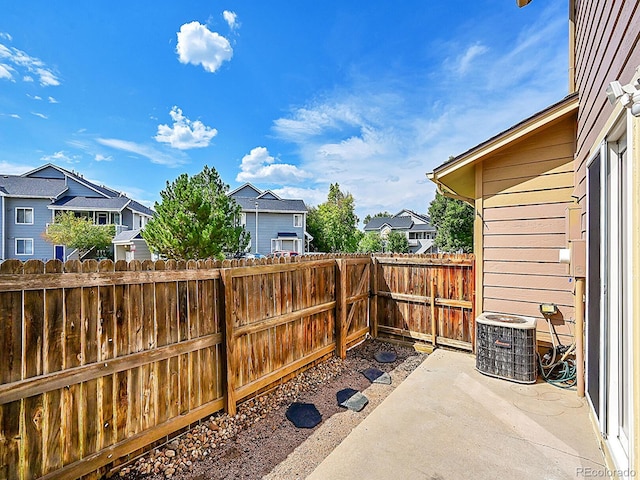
(448,421)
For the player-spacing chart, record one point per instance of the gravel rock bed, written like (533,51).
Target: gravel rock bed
(258,438)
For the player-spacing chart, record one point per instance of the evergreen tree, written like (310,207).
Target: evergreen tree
(453,220)
(196,219)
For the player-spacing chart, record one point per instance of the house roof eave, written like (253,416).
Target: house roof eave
(557,111)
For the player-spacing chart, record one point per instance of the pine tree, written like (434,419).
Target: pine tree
(196,219)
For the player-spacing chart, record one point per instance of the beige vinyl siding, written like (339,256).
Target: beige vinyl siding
(526,190)
(607,49)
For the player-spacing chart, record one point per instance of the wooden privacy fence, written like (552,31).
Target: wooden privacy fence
(425,297)
(99,360)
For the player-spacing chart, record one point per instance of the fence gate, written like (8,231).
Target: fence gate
(428,299)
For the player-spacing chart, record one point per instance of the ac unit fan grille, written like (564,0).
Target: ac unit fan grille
(506,352)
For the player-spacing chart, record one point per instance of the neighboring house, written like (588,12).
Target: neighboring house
(569,178)
(31,201)
(417,228)
(272,222)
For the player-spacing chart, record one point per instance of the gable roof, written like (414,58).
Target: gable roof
(90,203)
(419,216)
(127,236)
(245,191)
(18,186)
(395,223)
(456,178)
(269,194)
(271,205)
(100,189)
(40,183)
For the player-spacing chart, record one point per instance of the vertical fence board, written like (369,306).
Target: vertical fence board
(72,405)
(274,320)
(53,362)
(89,344)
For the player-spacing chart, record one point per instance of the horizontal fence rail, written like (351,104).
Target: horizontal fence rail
(99,361)
(426,298)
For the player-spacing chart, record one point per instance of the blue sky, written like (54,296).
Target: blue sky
(290,96)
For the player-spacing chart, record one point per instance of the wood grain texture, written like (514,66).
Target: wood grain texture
(118,364)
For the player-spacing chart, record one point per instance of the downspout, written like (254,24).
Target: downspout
(579,309)
(572,47)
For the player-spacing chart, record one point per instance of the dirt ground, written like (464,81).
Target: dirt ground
(259,447)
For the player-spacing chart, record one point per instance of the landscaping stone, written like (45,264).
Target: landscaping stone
(253,442)
(303,415)
(352,399)
(385,357)
(375,375)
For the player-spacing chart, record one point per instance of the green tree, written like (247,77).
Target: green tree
(371,242)
(397,243)
(453,220)
(196,219)
(314,228)
(79,232)
(368,218)
(333,224)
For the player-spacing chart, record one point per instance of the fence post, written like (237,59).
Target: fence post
(341,309)
(434,325)
(229,343)
(373,297)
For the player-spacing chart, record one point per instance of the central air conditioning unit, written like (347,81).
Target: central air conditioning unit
(506,347)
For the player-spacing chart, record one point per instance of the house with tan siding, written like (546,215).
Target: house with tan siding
(565,184)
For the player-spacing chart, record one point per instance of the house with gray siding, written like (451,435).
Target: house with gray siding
(272,222)
(417,228)
(31,201)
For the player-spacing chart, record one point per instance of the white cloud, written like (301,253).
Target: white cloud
(41,115)
(231,18)
(259,166)
(47,78)
(102,158)
(6,36)
(53,100)
(6,71)
(10,115)
(31,66)
(7,168)
(61,156)
(156,156)
(311,196)
(184,133)
(34,97)
(463,62)
(200,46)
(316,120)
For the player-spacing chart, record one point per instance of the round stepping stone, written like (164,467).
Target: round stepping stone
(385,357)
(303,415)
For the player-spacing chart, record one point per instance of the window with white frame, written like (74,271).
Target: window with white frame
(297,220)
(24,215)
(24,246)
